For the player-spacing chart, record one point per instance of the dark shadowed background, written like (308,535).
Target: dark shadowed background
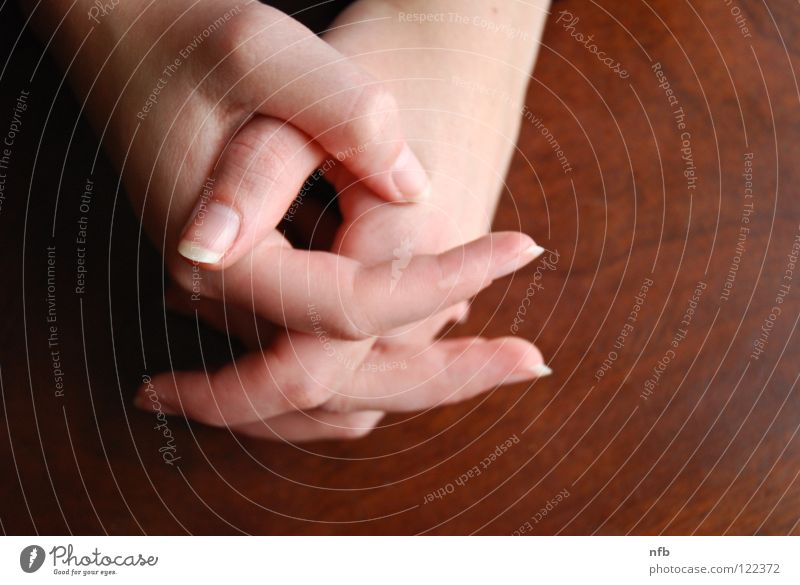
(669,316)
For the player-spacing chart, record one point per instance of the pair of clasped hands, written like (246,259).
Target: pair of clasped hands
(245,114)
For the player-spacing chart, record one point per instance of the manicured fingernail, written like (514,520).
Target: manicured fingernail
(210,233)
(541,370)
(518,261)
(409,178)
(537,371)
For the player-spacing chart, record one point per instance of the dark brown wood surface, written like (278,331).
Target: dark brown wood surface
(709,447)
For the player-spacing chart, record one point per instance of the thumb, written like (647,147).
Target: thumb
(252,187)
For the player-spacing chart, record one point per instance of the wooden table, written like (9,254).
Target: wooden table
(668,316)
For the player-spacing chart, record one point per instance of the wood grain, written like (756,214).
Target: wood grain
(710,447)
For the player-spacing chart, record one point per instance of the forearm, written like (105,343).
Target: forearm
(70,27)
(503,31)
(104,43)
(459,71)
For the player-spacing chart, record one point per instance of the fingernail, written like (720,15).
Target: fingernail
(541,371)
(210,233)
(537,371)
(527,255)
(409,178)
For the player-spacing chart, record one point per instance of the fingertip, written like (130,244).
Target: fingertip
(535,250)
(522,361)
(512,251)
(541,370)
(210,233)
(409,177)
(512,241)
(140,401)
(147,399)
(461,313)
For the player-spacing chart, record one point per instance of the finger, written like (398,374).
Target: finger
(322,292)
(426,330)
(333,100)
(259,175)
(297,372)
(317,425)
(252,330)
(265,385)
(446,372)
(455,315)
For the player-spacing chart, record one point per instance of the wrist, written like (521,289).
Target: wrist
(509,31)
(69,22)
(459,73)
(80,33)
(481,57)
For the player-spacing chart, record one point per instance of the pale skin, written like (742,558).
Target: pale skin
(258,106)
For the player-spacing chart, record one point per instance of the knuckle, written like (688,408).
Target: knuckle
(362,324)
(237,49)
(252,162)
(250,21)
(306,393)
(353,326)
(373,115)
(357,321)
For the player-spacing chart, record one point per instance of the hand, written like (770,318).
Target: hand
(461,90)
(201,126)
(300,371)
(466,187)
(172,85)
